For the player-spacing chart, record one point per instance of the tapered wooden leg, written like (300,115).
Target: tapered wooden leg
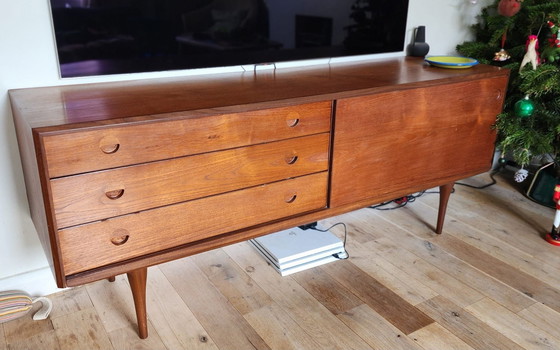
(444,193)
(137,279)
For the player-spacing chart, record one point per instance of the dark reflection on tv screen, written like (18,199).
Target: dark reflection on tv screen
(96,37)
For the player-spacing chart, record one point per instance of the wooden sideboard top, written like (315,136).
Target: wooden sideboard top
(69,106)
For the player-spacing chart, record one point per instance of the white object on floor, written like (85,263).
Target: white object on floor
(295,250)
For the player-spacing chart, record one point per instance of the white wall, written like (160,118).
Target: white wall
(27,59)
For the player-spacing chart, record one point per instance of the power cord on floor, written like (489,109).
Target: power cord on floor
(493,182)
(313,226)
(402,201)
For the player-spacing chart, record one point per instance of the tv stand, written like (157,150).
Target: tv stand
(125,175)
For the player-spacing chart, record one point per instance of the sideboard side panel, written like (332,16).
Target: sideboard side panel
(32,164)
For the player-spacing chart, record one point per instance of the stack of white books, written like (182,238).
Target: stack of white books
(295,250)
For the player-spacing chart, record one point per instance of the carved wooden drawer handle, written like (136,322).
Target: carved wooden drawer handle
(291,159)
(110,149)
(292,122)
(293,118)
(116,194)
(499,94)
(120,240)
(290,199)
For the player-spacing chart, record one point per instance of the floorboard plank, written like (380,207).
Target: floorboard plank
(501,271)
(491,206)
(493,245)
(234,283)
(25,333)
(114,303)
(429,250)
(513,326)
(279,330)
(311,315)
(3,345)
(272,323)
(384,301)
(70,301)
(465,326)
(81,330)
(327,291)
(441,282)
(358,229)
(527,251)
(127,339)
(376,330)
(407,287)
(174,322)
(436,337)
(506,191)
(542,316)
(45,340)
(225,326)
(489,224)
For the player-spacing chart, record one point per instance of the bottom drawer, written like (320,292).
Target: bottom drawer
(101,243)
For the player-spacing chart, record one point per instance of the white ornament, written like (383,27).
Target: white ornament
(531,55)
(520,175)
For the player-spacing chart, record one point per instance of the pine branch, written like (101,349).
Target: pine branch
(542,81)
(523,137)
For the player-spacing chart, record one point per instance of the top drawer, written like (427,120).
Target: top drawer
(111,146)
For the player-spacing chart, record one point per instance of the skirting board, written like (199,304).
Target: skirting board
(35,283)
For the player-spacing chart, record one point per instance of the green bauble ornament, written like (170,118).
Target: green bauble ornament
(524,108)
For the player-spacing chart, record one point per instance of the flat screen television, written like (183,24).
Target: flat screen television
(98,37)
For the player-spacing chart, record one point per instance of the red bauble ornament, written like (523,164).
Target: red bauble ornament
(509,8)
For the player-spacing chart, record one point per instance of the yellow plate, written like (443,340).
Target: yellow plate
(455,62)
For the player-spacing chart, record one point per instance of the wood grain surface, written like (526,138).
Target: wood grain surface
(124,237)
(85,198)
(392,142)
(125,145)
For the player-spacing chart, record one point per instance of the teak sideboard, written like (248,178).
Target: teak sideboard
(125,175)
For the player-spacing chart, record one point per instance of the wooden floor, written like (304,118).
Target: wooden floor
(489,281)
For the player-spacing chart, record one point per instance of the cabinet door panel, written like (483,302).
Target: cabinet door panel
(391,143)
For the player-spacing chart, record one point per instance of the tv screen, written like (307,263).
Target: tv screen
(97,37)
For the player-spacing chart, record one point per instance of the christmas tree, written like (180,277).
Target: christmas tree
(516,34)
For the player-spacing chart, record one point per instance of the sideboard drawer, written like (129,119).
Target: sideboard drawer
(94,196)
(108,147)
(93,245)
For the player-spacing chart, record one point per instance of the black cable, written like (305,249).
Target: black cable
(401,202)
(343,242)
(493,182)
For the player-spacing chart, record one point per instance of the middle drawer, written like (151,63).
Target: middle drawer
(99,195)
